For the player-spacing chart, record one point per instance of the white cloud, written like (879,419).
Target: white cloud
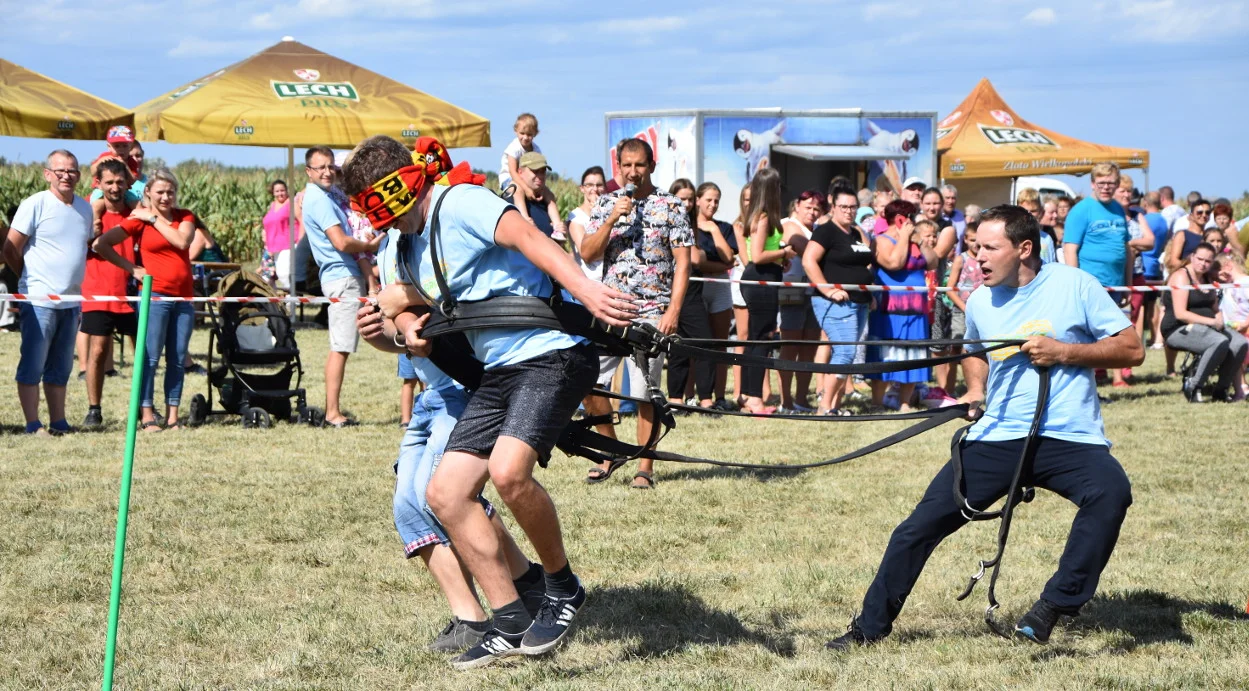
(1041,16)
(1166,21)
(891,10)
(201,48)
(641,25)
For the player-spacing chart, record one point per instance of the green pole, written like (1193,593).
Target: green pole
(123,504)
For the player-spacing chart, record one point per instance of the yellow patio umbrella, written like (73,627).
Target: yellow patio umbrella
(292,95)
(32,105)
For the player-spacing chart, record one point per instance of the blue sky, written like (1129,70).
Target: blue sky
(1166,75)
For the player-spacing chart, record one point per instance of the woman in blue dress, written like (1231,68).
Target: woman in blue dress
(902,257)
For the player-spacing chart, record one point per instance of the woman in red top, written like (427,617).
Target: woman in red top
(164,233)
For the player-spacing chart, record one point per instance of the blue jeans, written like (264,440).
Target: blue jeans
(434,414)
(169,326)
(47,351)
(841,321)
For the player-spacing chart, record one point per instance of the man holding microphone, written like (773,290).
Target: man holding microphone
(646,253)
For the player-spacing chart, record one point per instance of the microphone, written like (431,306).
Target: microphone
(629,189)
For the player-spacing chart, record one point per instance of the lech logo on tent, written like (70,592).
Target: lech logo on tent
(308,75)
(410,132)
(342,90)
(1006,136)
(243,130)
(65,125)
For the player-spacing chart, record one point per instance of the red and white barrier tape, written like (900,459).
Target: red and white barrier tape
(310,300)
(925,289)
(299,300)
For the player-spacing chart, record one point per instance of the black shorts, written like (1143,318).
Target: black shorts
(532,401)
(106,323)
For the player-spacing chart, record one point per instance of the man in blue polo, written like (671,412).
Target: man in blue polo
(1069,325)
(325,223)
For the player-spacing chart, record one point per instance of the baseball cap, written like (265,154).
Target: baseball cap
(533,161)
(862,213)
(912,181)
(119,133)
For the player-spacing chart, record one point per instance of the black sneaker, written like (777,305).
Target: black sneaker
(112,373)
(553,621)
(1037,624)
(195,368)
(494,646)
(94,419)
(852,637)
(457,636)
(82,375)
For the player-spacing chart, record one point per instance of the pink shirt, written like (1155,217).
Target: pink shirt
(278,227)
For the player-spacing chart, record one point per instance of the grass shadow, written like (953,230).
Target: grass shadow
(665,617)
(1148,616)
(717,472)
(1136,395)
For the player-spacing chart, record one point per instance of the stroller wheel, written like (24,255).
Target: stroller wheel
(256,418)
(312,416)
(199,410)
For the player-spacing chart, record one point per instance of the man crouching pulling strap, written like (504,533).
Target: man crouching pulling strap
(534,378)
(1072,326)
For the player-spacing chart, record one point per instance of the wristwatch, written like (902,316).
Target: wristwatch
(153,219)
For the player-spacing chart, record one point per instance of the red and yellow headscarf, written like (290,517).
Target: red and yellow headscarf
(396,194)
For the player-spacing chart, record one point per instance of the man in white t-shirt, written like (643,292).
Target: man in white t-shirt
(1171,211)
(47,248)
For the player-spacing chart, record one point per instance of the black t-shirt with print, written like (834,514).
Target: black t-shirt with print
(846,258)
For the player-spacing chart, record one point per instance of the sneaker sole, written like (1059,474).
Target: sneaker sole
(483,661)
(545,647)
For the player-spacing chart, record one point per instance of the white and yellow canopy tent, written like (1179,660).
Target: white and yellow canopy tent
(292,95)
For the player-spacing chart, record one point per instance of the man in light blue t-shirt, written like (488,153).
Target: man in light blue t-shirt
(333,247)
(47,248)
(1071,326)
(1095,237)
(532,383)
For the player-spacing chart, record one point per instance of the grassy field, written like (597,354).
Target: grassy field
(268,559)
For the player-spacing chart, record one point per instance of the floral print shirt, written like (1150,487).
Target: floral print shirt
(638,259)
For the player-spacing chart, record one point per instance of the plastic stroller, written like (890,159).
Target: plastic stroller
(257,358)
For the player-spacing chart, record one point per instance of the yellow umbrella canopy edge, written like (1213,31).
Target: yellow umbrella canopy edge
(34,105)
(983,137)
(293,95)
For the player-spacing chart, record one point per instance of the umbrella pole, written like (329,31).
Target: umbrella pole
(290,176)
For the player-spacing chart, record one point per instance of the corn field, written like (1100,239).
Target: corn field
(230,200)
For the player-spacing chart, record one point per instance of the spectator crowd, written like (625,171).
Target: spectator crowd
(691,273)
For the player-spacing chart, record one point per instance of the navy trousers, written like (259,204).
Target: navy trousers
(1085,474)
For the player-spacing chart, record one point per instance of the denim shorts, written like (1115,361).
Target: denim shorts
(840,321)
(531,401)
(405,370)
(48,337)
(434,414)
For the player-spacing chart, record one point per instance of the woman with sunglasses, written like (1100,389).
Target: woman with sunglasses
(1193,323)
(1185,240)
